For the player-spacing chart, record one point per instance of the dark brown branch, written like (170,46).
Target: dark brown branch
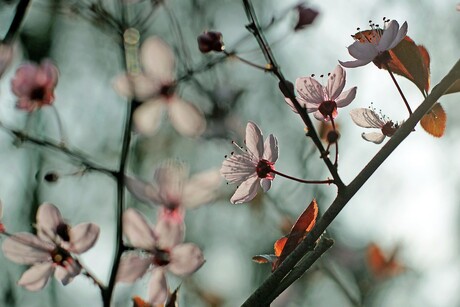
(17,21)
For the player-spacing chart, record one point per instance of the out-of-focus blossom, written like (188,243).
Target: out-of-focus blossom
(323,100)
(156,254)
(253,166)
(6,56)
(34,85)
(306,16)
(373,45)
(155,87)
(210,41)
(367,118)
(2,227)
(51,250)
(172,188)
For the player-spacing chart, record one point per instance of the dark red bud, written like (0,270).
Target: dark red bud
(51,177)
(306,17)
(332,137)
(210,41)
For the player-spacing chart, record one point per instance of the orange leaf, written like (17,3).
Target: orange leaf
(138,302)
(264,258)
(434,122)
(380,265)
(279,245)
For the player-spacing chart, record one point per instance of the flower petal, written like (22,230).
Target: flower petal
(320,116)
(374,137)
(82,237)
(158,289)
(138,231)
(238,168)
(157,59)
(366,118)
(185,117)
(310,90)
(132,266)
(185,259)
(169,179)
(354,64)
(48,219)
(36,277)
(169,230)
(147,117)
(271,149)
(26,248)
(389,35)
(346,97)
(246,191)
(201,188)
(266,184)
(362,51)
(401,35)
(336,82)
(253,140)
(142,190)
(67,273)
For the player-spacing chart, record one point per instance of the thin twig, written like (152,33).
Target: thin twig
(21,10)
(399,89)
(327,181)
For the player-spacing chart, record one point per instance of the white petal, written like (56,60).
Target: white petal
(185,117)
(147,117)
(291,105)
(26,248)
(354,64)
(143,191)
(362,51)
(157,59)
(137,230)
(35,278)
(366,118)
(374,137)
(336,82)
(320,116)
(346,97)
(82,237)
(266,184)
(139,86)
(310,90)
(246,191)
(169,180)
(253,140)
(389,35)
(158,289)
(48,220)
(170,232)
(271,149)
(67,273)
(238,168)
(401,35)
(201,188)
(185,259)
(132,267)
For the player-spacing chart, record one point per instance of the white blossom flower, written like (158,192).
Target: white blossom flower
(157,255)
(155,88)
(6,56)
(253,166)
(377,44)
(323,100)
(51,251)
(367,118)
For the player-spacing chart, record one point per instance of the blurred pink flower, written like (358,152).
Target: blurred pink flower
(323,100)
(376,47)
(367,118)
(172,188)
(2,227)
(34,85)
(157,255)
(253,166)
(6,56)
(155,88)
(50,251)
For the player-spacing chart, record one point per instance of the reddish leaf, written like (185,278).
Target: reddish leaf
(381,266)
(302,226)
(279,245)
(434,122)
(138,302)
(264,258)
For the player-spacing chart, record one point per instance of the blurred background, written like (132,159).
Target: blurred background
(409,207)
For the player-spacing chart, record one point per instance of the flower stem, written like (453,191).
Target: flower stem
(399,89)
(328,181)
(266,68)
(336,161)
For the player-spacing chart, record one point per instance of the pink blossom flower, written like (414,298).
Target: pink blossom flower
(51,250)
(157,255)
(2,227)
(34,85)
(323,100)
(367,118)
(155,87)
(172,188)
(253,166)
(6,56)
(377,44)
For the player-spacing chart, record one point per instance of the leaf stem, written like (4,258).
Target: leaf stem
(399,89)
(234,55)
(328,181)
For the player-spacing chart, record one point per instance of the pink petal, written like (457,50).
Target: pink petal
(246,191)
(26,248)
(147,117)
(83,237)
(362,51)
(291,104)
(271,149)
(374,137)
(346,97)
(169,179)
(389,35)
(132,266)
(24,79)
(48,219)
(320,116)
(401,35)
(158,289)
(266,184)
(170,232)
(336,82)
(6,56)
(143,191)
(310,90)
(185,117)
(136,85)
(238,168)
(67,273)
(185,259)
(253,140)
(138,231)
(354,64)
(36,277)
(201,188)
(366,118)
(157,59)
(51,72)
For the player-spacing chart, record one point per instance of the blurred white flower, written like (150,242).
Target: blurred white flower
(6,56)
(367,118)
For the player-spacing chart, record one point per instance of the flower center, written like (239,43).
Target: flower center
(161,257)
(38,93)
(382,59)
(62,230)
(167,90)
(328,109)
(264,169)
(59,255)
(389,129)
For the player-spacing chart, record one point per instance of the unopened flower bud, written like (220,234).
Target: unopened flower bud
(51,177)
(306,17)
(210,41)
(332,136)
